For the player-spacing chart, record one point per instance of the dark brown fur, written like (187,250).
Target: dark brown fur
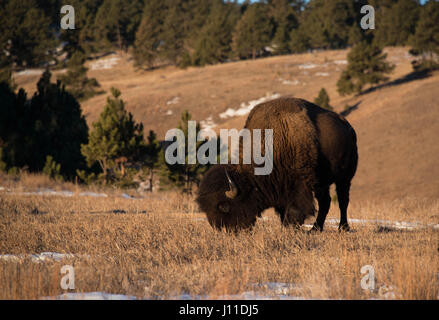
(312,149)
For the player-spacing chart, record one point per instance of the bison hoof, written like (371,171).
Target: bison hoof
(316,228)
(344,228)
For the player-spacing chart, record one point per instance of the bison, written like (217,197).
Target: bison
(312,149)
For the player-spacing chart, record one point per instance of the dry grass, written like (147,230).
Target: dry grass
(162,248)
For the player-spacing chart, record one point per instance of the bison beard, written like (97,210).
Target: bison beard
(312,149)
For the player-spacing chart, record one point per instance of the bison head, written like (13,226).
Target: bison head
(228,199)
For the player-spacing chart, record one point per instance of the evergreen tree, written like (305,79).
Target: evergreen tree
(114,136)
(322,100)
(116,23)
(58,128)
(173,34)
(83,37)
(52,169)
(14,125)
(51,123)
(214,42)
(151,157)
(26,39)
(76,80)
(397,22)
(327,23)
(366,65)
(6,77)
(3,164)
(253,31)
(284,19)
(299,41)
(425,41)
(148,36)
(183,176)
(196,14)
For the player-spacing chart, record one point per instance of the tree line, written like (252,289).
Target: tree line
(200,32)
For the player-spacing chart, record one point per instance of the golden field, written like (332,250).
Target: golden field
(161,247)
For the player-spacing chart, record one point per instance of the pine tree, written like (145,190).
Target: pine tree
(196,14)
(116,23)
(148,36)
(6,77)
(76,80)
(114,136)
(51,123)
(214,42)
(253,31)
(322,100)
(397,22)
(52,169)
(151,157)
(173,34)
(14,125)
(3,164)
(299,41)
(285,20)
(58,128)
(26,39)
(366,65)
(425,41)
(83,37)
(327,23)
(183,176)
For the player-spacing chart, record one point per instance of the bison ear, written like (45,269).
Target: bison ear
(233,192)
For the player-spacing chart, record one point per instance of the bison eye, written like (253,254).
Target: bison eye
(224,207)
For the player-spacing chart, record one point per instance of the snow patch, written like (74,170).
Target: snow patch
(340,62)
(40,257)
(46,192)
(30,72)
(322,74)
(307,66)
(247,107)
(174,100)
(289,82)
(207,124)
(90,296)
(397,225)
(62,193)
(104,64)
(264,291)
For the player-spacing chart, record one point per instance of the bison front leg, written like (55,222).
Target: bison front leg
(280,211)
(294,217)
(288,217)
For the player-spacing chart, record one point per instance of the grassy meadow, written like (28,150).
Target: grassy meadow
(161,247)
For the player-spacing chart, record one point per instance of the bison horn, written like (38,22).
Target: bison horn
(233,192)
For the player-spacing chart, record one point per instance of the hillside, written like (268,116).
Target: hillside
(396,124)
